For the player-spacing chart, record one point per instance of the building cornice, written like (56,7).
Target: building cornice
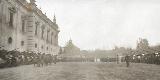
(38,12)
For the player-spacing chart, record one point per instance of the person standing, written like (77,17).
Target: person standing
(127,60)
(117,59)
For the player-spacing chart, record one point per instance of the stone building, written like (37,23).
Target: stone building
(71,52)
(25,28)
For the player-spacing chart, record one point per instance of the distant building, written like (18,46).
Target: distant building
(25,28)
(101,55)
(70,51)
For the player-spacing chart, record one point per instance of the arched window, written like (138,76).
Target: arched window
(10,40)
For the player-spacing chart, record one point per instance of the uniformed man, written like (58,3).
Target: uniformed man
(127,60)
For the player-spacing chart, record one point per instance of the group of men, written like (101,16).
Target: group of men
(44,60)
(151,58)
(15,58)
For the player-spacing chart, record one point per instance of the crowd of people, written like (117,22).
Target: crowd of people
(16,58)
(150,58)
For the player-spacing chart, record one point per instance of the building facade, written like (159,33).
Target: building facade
(24,27)
(71,50)
(71,53)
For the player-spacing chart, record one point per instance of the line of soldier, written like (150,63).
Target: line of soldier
(16,58)
(150,58)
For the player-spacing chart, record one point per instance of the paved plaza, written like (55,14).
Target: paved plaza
(82,71)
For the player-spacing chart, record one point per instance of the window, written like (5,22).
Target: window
(11,19)
(9,40)
(47,48)
(42,33)
(42,46)
(55,36)
(12,10)
(47,35)
(23,25)
(51,37)
(0,18)
(22,43)
(36,45)
(36,27)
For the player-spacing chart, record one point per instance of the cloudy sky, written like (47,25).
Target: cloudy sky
(104,24)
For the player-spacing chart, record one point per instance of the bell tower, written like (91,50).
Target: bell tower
(54,19)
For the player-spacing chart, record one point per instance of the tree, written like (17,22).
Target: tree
(142,44)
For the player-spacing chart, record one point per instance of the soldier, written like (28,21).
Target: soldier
(42,57)
(127,60)
(38,59)
(55,59)
(117,59)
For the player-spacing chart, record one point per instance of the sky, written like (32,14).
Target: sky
(104,24)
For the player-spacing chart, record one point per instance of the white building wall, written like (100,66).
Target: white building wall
(28,36)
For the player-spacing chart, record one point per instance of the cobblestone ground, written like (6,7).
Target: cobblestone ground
(82,71)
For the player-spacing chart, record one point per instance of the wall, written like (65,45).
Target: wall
(28,36)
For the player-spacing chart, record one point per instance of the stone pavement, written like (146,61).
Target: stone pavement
(82,71)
